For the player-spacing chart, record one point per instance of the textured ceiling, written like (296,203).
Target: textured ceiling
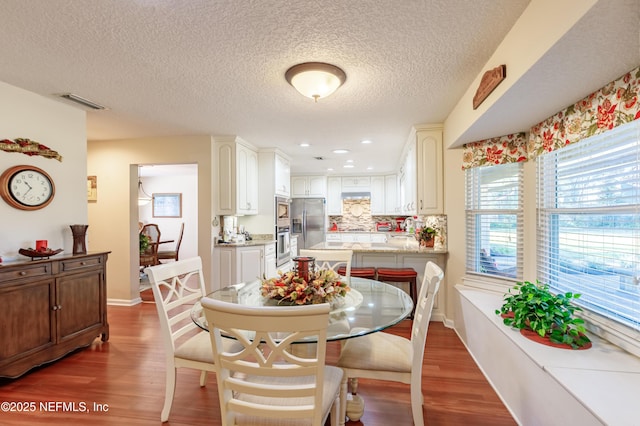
(168,67)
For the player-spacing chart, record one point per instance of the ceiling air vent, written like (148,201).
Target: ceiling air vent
(82,101)
(319,158)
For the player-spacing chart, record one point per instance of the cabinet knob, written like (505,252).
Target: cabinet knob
(54,307)
(83,263)
(23,272)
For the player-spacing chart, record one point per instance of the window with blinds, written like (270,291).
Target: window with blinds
(589,222)
(494,220)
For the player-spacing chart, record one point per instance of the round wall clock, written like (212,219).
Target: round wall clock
(26,187)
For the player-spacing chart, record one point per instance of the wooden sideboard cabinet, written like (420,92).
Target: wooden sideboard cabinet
(49,308)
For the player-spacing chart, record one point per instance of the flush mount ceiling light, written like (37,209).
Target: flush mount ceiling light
(315,79)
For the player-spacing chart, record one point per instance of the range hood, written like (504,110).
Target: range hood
(356,195)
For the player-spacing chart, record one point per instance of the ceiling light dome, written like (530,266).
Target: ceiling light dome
(315,79)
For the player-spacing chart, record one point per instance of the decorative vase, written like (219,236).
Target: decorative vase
(79,238)
(303,265)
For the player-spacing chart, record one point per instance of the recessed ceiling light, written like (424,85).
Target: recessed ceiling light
(349,161)
(348,166)
(340,151)
(330,169)
(370,168)
(304,145)
(366,141)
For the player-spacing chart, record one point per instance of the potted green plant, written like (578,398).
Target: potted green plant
(426,236)
(551,316)
(145,242)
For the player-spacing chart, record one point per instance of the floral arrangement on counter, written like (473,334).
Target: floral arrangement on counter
(320,286)
(426,236)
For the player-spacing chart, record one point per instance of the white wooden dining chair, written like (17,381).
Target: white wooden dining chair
(385,356)
(176,287)
(264,383)
(331,259)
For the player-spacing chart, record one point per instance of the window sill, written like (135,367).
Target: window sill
(593,386)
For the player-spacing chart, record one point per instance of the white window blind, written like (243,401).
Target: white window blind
(494,220)
(589,222)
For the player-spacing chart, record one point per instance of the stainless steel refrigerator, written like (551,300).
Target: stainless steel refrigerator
(308,221)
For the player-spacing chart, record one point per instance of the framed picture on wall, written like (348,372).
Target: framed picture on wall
(92,188)
(167,205)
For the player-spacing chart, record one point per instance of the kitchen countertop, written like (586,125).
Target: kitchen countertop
(246,243)
(411,247)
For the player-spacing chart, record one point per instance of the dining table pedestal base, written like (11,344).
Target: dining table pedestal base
(355,403)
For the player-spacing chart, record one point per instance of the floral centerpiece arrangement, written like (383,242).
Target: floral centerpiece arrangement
(316,286)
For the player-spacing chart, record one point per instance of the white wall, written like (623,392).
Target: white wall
(61,128)
(170,226)
(114,217)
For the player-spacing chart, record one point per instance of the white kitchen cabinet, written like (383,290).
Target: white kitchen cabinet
(239,264)
(270,270)
(390,195)
(333,238)
(430,185)
(356,184)
(416,261)
(283,176)
(308,186)
(421,178)
(236,177)
(334,196)
(409,181)
(378,195)
(293,247)
(378,238)
(356,237)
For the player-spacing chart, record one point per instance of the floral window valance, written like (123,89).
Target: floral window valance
(494,151)
(613,105)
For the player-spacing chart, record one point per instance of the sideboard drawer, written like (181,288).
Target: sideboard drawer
(82,263)
(25,272)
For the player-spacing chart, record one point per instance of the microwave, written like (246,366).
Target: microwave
(283,212)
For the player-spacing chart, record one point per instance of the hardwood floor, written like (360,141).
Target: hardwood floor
(121,382)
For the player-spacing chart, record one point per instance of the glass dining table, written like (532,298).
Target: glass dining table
(369,307)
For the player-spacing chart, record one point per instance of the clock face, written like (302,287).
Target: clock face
(26,187)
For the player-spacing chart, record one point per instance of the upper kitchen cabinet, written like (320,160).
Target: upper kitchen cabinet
(334,196)
(283,176)
(308,186)
(378,196)
(421,180)
(391,194)
(237,177)
(384,200)
(356,184)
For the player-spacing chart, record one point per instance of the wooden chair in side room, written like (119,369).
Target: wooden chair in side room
(172,254)
(149,257)
(331,259)
(384,356)
(264,383)
(176,286)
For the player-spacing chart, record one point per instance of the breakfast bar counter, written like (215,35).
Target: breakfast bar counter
(396,253)
(409,247)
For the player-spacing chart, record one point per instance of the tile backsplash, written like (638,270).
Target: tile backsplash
(356,216)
